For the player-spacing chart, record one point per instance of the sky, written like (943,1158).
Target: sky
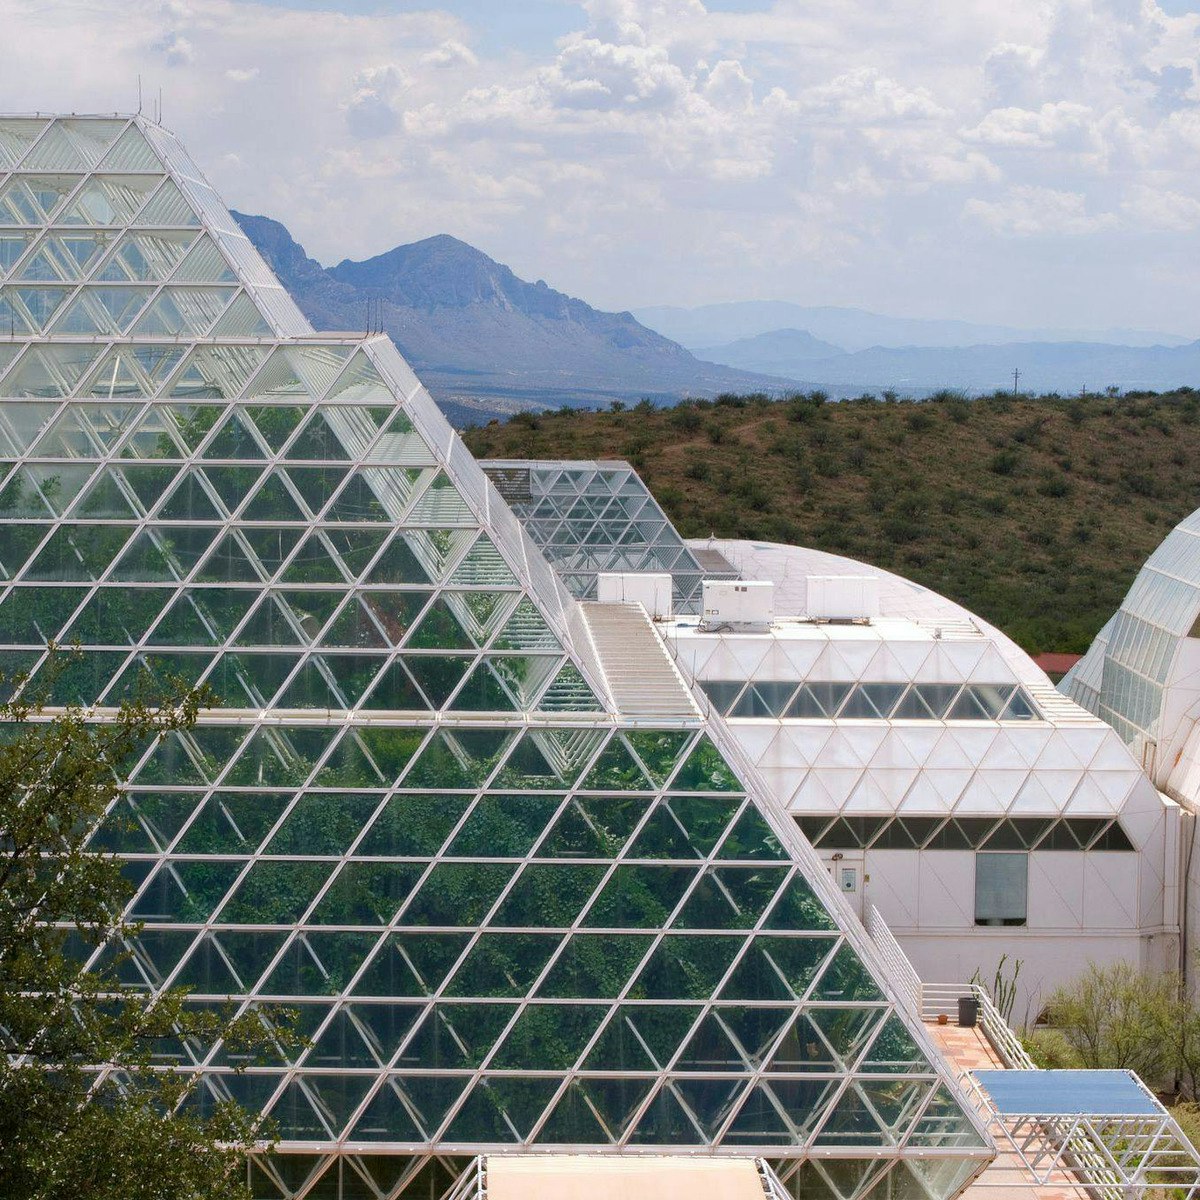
(1031,162)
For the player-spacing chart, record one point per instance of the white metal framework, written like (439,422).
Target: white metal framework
(1116,1155)
(510,912)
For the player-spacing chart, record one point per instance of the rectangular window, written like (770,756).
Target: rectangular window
(1001,886)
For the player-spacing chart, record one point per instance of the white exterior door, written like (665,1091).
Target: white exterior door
(846,869)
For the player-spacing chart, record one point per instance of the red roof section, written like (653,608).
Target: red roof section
(1057,664)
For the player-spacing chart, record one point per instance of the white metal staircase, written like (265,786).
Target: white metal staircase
(639,673)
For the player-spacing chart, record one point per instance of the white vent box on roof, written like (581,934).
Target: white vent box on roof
(738,604)
(652,592)
(842,597)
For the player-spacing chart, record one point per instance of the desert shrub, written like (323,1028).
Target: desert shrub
(1050,1049)
(685,418)
(1004,462)
(1119,1017)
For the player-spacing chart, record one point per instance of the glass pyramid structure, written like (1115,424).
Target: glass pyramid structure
(592,517)
(508,915)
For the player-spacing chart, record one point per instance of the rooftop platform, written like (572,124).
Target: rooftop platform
(1065,1135)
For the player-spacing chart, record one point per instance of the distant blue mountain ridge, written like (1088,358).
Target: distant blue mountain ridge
(488,343)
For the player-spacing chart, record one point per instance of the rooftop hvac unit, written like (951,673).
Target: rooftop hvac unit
(842,597)
(653,592)
(737,605)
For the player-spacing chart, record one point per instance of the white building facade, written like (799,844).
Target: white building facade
(943,779)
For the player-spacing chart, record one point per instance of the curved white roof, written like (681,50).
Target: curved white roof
(789,566)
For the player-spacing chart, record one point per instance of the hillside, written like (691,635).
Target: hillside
(484,341)
(1034,513)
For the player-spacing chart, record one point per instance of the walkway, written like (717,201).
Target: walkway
(1006,1178)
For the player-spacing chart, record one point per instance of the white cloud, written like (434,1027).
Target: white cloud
(451,53)
(886,152)
(377,102)
(1026,211)
(176,49)
(864,96)
(1160,210)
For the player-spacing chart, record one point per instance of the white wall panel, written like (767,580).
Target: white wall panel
(1056,898)
(946,894)
(894,885)
(1110,890)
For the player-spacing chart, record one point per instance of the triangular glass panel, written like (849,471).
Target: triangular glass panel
(232,822)
(846,979)
(706,771)
(526,630)
(483,565)
(894,1051)
(411,964)
(204,263)
(216,372)
(484,691)
(71,141)
(362,499)
(168,208)
(503,964)
(12,246)
(100,310)
(300,371)
(242,319)
(131,152)
(64,258)
(234,438)
(389,1118)
(142,257)
(441,504)
(132,371)
(943,1123)
(17,134)
(55,151)
(191,499)
(50,370)
(34,199)
(399,564)
(617,770)
(108,200)
(183,312)
(30,310)
(667,1123)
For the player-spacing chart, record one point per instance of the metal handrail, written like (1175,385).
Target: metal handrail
(903,974)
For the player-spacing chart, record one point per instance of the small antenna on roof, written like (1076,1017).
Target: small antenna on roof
(139,95)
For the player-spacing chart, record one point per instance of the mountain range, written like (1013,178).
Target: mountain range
(489,344)
(919,370)
(852,329)
(485,342)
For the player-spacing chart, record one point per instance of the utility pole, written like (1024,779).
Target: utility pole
(1016,378)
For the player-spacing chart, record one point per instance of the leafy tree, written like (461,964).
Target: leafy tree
(70,1130)
(1119,1017)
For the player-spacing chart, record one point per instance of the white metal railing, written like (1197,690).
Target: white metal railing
(901,972)
(472,1183)
(1090,1157)
(773,1187)
(942,998)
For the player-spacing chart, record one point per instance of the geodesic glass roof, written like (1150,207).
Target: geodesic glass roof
(505,914)
(1121,678)
(593,517)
